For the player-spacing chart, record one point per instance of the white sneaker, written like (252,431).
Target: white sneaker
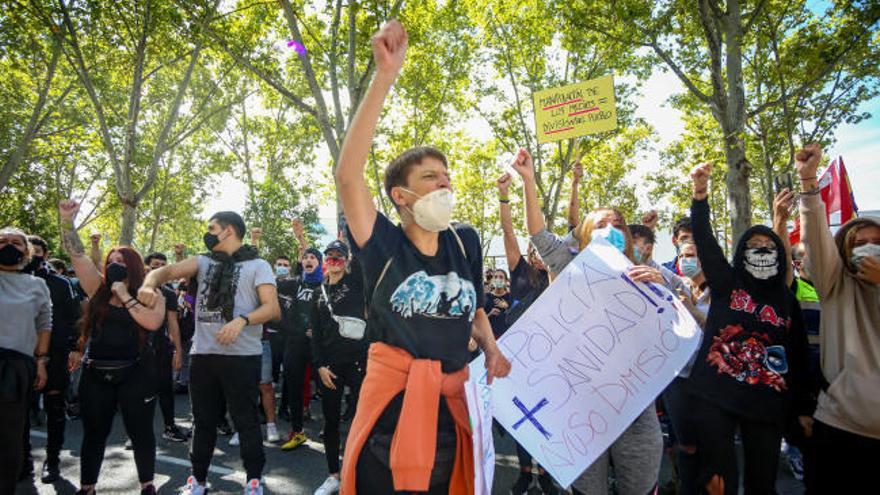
(234,440)
(192,487)
(253,487)
(331,485)
(272,433)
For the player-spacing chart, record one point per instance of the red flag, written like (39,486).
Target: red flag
(836,193)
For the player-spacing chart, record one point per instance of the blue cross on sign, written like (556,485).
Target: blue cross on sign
(530,415)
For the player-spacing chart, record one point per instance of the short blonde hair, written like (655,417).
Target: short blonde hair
(584,231)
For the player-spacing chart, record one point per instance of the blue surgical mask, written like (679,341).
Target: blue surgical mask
(613,235)
(282,271)
(690,267)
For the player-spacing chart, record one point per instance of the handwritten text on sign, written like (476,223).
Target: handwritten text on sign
(575,110)
(588,357)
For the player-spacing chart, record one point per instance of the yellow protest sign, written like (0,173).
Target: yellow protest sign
(575,110)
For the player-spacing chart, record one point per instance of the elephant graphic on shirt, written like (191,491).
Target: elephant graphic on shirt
(436,296)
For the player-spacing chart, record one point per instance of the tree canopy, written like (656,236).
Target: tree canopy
(139,109)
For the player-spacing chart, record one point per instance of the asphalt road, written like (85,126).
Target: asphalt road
(299,471)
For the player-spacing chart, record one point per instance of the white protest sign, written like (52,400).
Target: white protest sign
(587,358)
(479,403)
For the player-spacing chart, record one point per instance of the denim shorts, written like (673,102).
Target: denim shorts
(266,367)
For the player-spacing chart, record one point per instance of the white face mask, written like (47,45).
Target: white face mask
(863,251)
(761,263)
(433,211)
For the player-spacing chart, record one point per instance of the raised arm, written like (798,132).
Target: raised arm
(823,261)
(718,272)
(574,209)
(389,50)
(511,247)
(95,250)
(300,233)
(148,294)
(526,169)
(781,213)
(89,277)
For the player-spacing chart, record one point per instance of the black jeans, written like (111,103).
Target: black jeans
(17,373)
(136,400)
(165,379)
(297,355)
(347,374)
(837,461)
(234,380)
(373,467)
(54,397)
(716,451)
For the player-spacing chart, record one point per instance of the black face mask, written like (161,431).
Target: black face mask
(10,255)
(211,241)
(116,273)
(35,265)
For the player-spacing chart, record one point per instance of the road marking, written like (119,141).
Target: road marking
(222,471)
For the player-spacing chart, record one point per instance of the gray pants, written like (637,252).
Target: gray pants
(636,453)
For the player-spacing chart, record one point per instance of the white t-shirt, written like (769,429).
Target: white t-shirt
(248,276)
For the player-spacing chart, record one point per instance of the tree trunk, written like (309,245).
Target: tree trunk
(129,219)
(739,200)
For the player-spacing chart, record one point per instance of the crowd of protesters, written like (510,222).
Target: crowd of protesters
(385,319)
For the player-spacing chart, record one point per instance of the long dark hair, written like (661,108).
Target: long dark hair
(99,303)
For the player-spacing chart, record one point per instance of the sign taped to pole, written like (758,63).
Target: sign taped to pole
(575,110)
(592,352)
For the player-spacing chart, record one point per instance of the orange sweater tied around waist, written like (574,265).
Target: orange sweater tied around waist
(391,370)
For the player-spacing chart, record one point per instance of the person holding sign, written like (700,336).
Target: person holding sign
(411,431)
(638,451)
(750,372)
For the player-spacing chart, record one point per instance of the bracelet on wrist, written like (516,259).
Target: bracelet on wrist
(811,192)
(807,178)
(504,201)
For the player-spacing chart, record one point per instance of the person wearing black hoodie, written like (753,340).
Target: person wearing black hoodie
(297,296)
(65,314)
(750,372)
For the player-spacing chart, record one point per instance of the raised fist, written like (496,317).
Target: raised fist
(807,160)
(578,171)
(68,209)
(504,183)
(700,176)
(650,219)
(389,48)
(178,248)
(523,165)
(95,238)
(297,225)
(256,233)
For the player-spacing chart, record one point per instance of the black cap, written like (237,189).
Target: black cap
(337,245)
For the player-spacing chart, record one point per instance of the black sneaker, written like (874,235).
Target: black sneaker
(523,483)
(148,490)
(546,484)
(83,491)
(51,472)
(174,434)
